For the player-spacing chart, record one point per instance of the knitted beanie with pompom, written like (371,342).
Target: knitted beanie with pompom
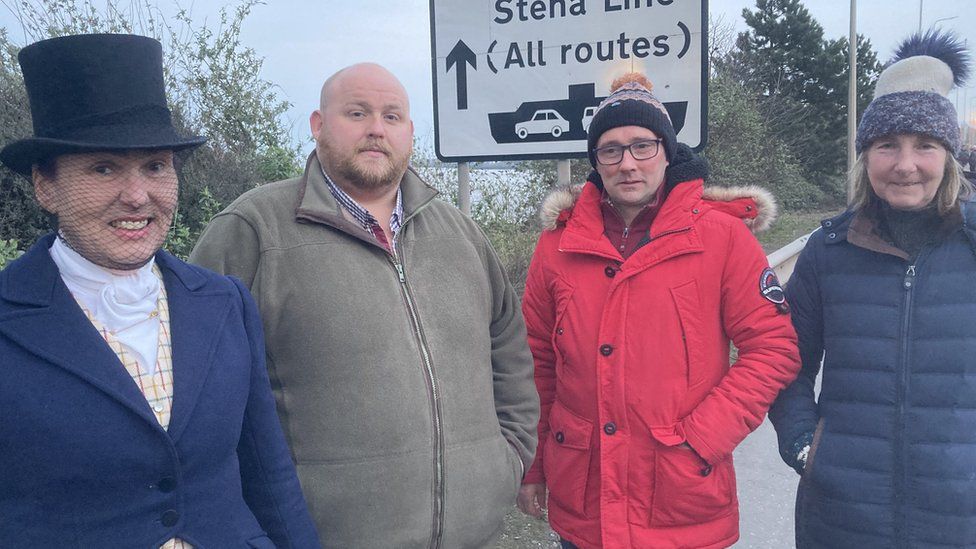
(631,103)
(911,94)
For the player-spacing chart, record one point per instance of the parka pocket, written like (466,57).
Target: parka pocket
(806,499)
(817,435)
(688,490)
(562,332)
(687,305)
(566,463)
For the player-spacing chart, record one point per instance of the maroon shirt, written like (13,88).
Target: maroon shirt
(628,238)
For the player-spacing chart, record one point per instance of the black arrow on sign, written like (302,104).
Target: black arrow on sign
(461,55)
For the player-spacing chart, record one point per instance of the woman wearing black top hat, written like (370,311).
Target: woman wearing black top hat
(135,408)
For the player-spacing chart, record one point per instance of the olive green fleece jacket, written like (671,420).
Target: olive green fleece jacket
(404,384)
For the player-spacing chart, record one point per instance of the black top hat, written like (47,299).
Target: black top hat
(94,92)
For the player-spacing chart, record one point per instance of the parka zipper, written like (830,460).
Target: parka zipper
(438,487)
(909,283)
(623,239)
(666,233)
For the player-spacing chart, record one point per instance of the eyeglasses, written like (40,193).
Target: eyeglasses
(614,154)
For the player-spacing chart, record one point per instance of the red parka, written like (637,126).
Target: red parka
(632,360)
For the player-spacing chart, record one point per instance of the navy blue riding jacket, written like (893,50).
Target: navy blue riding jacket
(893,462)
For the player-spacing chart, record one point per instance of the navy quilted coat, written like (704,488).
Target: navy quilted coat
(893,462)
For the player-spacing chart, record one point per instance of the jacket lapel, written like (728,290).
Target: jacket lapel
(47,321)
(584,229)
(317,205)
(197,316)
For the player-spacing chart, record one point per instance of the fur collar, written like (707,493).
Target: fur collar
(754,205)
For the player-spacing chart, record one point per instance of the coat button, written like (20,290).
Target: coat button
(606,350)
(706,470)
(560,437)
(832,236)
(559,331)
(828,223)
(694,211)
(167,484)
(610,271)
(610,428)
(170,518)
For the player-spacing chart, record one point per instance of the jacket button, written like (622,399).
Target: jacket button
(832,236)
(706,470)
(694,211)
(606,350)
(828,223)
(610,271)
(170,518)
(167,484)
(559,437)
(610,428)
(559,331)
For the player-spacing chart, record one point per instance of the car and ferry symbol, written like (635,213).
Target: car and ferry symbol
(567,119)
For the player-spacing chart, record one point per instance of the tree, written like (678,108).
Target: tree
(744,145)
(214,87)
(743,150)
(21,219)
(799,80)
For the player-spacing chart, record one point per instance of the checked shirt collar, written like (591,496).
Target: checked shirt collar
(366,219)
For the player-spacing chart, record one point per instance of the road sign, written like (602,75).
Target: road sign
(519,79)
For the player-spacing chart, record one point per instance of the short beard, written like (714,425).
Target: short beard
(371,178)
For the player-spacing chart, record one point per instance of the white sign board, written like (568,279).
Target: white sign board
(518,79)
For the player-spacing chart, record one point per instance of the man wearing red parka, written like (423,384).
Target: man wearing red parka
(637,287)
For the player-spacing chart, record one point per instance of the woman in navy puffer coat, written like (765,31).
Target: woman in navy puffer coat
(885,295)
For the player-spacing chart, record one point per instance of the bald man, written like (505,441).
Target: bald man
(395,342)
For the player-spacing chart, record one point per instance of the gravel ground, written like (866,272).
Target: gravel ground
(523,532)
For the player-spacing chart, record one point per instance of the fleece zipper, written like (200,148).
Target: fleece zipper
(433,392)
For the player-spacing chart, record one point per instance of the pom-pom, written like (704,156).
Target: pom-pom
(944,46)
(634,77)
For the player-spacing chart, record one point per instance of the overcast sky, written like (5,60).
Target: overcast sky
(304,41)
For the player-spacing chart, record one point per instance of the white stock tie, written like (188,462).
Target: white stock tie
(123,303)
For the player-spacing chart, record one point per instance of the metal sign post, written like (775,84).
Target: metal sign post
(562,173)
(852,95)
(464,187)
(520,79)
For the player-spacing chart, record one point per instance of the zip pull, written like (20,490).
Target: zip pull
(399,270)
(909,277)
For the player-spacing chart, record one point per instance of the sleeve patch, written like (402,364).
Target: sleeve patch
(770,287)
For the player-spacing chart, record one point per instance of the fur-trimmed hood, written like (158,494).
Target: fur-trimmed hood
(753,204)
